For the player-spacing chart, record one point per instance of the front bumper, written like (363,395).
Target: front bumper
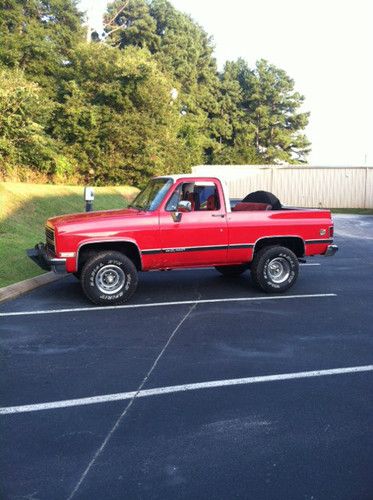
(44,260)
(331,250)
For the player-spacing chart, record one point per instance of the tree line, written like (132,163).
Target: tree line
(142,98)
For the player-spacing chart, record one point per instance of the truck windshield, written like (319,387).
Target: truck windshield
(151,197)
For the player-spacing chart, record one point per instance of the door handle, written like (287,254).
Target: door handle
(217,215)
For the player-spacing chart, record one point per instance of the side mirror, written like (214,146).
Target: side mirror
(182,206)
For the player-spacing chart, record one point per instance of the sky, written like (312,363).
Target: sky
(324,45)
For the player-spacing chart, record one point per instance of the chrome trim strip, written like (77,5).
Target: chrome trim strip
(153,251)
(234,246)
(240,245)
(315,242)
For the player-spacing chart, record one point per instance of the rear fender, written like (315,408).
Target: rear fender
(295,243)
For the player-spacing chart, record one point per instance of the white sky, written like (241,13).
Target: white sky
(324,45)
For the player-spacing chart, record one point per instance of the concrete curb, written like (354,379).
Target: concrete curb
(17,289)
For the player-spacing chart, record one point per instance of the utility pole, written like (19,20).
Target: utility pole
(111,23)
(90,28)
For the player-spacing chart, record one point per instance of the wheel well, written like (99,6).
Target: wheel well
(294,244)
(127,248)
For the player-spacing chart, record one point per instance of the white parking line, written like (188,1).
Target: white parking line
(162,304)
(130,403)
(159,391)
(310,264)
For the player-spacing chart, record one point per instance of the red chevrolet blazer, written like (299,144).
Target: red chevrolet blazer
(181,222)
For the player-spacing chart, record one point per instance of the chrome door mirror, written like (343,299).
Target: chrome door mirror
(182,206)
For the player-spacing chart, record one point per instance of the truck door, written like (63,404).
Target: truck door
(200,237)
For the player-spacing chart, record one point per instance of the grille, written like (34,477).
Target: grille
(49,235)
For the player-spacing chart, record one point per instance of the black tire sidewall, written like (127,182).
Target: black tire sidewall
(92,267)
(262,277)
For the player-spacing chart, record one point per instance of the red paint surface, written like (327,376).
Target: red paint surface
(173,240)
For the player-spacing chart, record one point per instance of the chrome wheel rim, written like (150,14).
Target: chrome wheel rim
(279,270)
(110,279)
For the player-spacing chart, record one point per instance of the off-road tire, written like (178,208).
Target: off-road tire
(89,255)
(263,269)
(97,272)
(231,271)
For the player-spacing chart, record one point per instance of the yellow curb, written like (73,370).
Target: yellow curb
(13,291)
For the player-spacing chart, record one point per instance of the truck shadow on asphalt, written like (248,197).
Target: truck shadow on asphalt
(169,286)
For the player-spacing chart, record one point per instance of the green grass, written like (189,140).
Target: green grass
(24,209)
(357,211)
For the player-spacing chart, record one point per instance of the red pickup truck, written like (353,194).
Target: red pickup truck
(181,222)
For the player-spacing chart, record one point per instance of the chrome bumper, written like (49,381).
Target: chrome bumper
(44,260)
(331,250)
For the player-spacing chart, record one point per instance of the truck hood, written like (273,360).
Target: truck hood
(63,222)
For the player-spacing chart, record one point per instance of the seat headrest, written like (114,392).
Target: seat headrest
(243,206)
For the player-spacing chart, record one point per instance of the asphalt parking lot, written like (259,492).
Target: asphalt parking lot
(161,429)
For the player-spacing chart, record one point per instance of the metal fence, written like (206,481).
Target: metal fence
(307,186)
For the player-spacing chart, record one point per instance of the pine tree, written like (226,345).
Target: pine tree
(265,119)
(273,105)
(39,37)
(128,22)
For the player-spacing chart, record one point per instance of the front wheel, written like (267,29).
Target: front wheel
(109,278)
(274,269)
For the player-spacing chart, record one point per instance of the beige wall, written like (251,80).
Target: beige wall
(308,186)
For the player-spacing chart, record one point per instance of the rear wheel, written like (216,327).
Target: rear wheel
(274,269)
(109,278)
(232,270)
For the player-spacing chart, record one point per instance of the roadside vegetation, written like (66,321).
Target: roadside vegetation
(356,211)
(24,209)
(143,98)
